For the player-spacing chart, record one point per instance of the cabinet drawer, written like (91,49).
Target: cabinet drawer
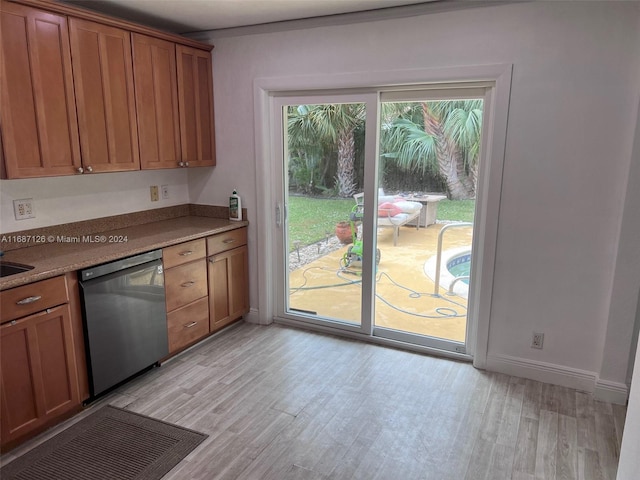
(185,283)
(188,324)
(183,253)
(226,241)
(34,297)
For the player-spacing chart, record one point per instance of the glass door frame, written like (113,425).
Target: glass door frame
(435,92)
(280,184)
(266,89)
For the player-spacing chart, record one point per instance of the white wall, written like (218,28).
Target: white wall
(81,197)
(571,124)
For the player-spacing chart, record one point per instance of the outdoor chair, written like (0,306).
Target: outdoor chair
(393,212)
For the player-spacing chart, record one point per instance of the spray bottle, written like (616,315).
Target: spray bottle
(235,207)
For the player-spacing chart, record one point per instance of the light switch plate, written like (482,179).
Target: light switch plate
(24,209)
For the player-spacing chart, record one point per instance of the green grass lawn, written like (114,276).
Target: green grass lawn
(310,219)
(456,210)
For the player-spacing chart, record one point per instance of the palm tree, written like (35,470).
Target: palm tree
(437,136)
(322,128)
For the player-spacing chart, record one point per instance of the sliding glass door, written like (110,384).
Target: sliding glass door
(325,143)
(376,203)
(429,156)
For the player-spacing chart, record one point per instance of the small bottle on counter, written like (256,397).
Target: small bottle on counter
(235,207)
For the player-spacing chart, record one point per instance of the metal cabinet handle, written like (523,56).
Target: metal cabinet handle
(192,324)
(28,300)
(80,170)
(186,253)
(186,164)
(181,164)
(89,168)
(188,284)
(229,240)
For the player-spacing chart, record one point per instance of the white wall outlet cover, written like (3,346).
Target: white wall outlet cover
(24,208)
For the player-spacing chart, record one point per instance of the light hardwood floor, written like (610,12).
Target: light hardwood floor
(280,403)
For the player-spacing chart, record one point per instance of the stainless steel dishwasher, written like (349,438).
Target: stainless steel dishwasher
(125,320)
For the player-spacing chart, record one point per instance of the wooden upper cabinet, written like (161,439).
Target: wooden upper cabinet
(156,89)
(37,111)
(103,76)
(195,98)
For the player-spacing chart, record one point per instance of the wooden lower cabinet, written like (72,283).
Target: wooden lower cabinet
(38,372)
(188,324)
(228,287)
(205,294)
(186,288)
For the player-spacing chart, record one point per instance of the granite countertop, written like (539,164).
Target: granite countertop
(75,253)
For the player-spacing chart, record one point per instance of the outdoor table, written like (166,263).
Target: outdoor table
(429,207)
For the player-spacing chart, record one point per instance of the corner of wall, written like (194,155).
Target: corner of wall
(618,346)
(254,317)
(612,392)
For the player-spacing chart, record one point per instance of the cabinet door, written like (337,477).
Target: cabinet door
(38,110)
(21,391)
(228,287)
(154,73)
(37,371)
(103,76)
(195,97)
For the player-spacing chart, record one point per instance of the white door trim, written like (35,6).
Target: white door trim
(487,200)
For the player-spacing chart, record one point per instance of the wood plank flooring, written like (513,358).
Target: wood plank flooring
(280,403)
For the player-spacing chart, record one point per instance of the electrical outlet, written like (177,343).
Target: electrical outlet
(154,193)
(537,340)
(24,209)
(164,189)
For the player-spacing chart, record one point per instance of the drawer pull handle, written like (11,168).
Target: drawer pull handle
(28,300)
(188,284)
(192,324)
(229,240)
(186,253)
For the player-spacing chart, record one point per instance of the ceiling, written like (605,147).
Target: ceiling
(183,16)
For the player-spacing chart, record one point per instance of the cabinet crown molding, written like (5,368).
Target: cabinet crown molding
(66,9)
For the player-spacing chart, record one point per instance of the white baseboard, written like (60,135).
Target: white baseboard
(543,372)
(612,392)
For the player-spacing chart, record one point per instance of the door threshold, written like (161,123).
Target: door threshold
(385,342)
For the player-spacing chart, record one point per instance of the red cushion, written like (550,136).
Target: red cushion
(388,209)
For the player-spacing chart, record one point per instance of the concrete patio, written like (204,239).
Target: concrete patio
(404,293)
